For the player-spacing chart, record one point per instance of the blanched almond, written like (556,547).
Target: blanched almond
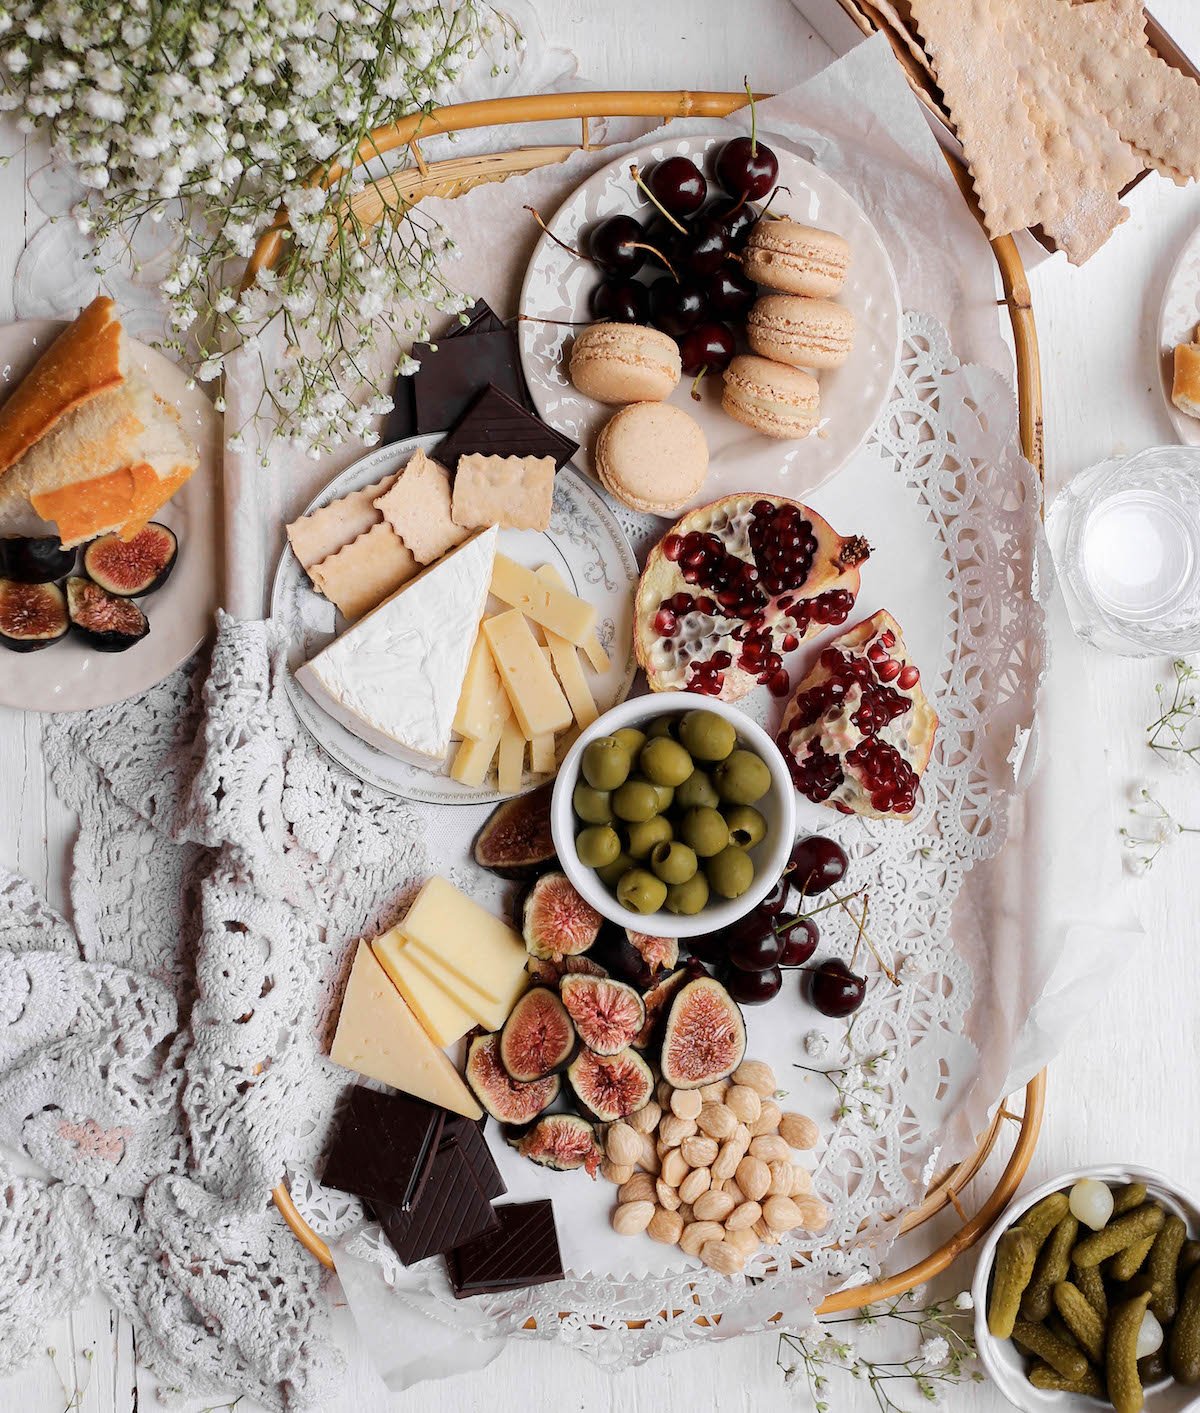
(624,1144)
(695,1234)
(801,1180)
(675,1167)
(616,1172)
(721,1256)
(715,1093)
(667,1196)
(717,1121)
(743,1217)
(639,1188)
(731,1187)
(799,1131)
(632,1217)
(648,1158)
(745,1103)
(662,1094)
(769,1146)
(768,1120)
(743,1240)
(713,1206)
(665,1226)
(673,1130)
(781,1178)
(686,1103)
(814,1215)
(699,1151)
(782,1213)
(753,1177)
(766,1233)
(732,1151)
(645,1119)
(695,1184)
(756,1075)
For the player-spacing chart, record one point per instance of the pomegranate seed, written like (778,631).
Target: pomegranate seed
(779,684)
(910,675)
(672,546)
(704,604)
(831,659)
(888,671)
(665,622)
(877,652)
(790,642)
(888,638)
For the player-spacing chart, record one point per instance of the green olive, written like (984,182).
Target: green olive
(705,831)
(742,778)
(631,739)
(730,872)
(696,790)
(592,806)
(706,735)
(635,801)
(641,891)
(666,797)
(688,898)
(597,845)
(665,762)
(606,763)
(611,874)
(661,726)
(643,837)
(673,862)
(746,826)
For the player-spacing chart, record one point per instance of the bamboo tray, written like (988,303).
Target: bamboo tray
(454,176)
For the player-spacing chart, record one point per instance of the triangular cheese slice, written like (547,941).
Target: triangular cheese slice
(379,1036)
(395,677)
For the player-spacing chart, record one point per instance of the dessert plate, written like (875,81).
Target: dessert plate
(557,286)
(1177,321)
(69,675)
(585,544)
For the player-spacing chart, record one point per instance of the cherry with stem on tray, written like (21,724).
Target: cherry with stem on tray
(745,167)
(708,348)
(834,989)
(730,292)
(753,988)
(620,301)
(678,186)
(816,863)
(676,305)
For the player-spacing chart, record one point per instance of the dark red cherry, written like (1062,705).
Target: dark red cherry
(800,937)
(705,249)
(708,947)
(739,220)
(622,301)
(615,245)
(678,185)
(817,863)
(708,346)
(776,900)
(675,306)
(834,989)
(730,292)
(758,952)
(746,167)
(752,988)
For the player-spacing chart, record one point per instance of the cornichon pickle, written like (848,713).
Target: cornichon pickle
(1162,1266)
(1126,1198)
(1126,1264)
(1153,1368)
(1189,1257)
(1046,1377)
(1091,1282)
(1183,1342)
(1068,1359)
(1053,1263)
(1080,1319)
(1016,1253)
(1120,1363)
(1044,1216)
(1135,1226)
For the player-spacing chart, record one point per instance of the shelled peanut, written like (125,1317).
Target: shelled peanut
(711,1171)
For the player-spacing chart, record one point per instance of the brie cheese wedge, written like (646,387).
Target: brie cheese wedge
(395,677)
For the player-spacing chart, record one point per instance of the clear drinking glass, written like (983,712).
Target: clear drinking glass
(1126,542)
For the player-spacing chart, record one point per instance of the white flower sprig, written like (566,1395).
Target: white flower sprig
(859,1086)
(212,119)
(1154,828)
(1175,734)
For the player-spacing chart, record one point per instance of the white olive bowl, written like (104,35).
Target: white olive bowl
(1005,1367)
(778,807)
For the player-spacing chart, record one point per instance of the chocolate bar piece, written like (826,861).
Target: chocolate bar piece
(384,1147)
(470,1138)
(481,319)
(522,1251)
(452,374)
(498,426)
(453,1209)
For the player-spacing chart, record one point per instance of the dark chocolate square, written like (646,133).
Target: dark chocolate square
(452,1210)
(384,1146)
(498,426)
(522,1251)
(481,319)
(470,1138)
(453,373)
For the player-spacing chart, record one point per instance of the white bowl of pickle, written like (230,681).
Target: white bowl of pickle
(673,814)
(1087,1295)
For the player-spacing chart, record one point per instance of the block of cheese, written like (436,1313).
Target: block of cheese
(395,678)
(510,766)
(593,648)
(379,1036)
(483,706)
(442,1017)
(489,1014)
(548,604)
(472,759)
(536,697)
(541,754)
(475,946)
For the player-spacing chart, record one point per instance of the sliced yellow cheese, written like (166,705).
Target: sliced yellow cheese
(469,941)
(489,1014)
(541,754)
(564,656)
(472,759)
(548,604)
(444,1019)
(482,705)
(536,697)
(510,765)
(592,647)
(379,1036)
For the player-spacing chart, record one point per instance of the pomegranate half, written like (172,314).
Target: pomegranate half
(735,585)
(859,731)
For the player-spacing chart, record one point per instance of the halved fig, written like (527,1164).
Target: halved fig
(619,957)
(736,584)
(547,971)
(610,1086)
(562,1142)
(131,568)
(658,953)
(515,839)
(538,1038)
(34,559)
(556,921)
(657,1000)
(32,616)
(705,1038)
(505,1098)
(607,1013)
(105,622)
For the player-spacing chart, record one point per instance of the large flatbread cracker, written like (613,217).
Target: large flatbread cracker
(316,536)
(417,507)
(360,575)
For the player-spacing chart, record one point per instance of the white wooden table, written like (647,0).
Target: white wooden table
(1124,1088)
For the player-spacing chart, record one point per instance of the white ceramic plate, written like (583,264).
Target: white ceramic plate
(69,675)
(584,542)
(1177,320)
(557,286)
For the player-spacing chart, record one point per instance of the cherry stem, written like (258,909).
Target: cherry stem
(653,200)
(641,245)
(570,249)
(865,936)
(696,383)
(837,902)
(862,923)
(753,116)
(562,323)
(766,211)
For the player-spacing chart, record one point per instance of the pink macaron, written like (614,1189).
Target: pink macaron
(807,333)
(796,259)
(620,363)
(773,398)
(652,457)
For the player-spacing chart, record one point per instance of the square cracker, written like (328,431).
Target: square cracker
(417,507)
(514,492)
(316,536)
(359,576)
